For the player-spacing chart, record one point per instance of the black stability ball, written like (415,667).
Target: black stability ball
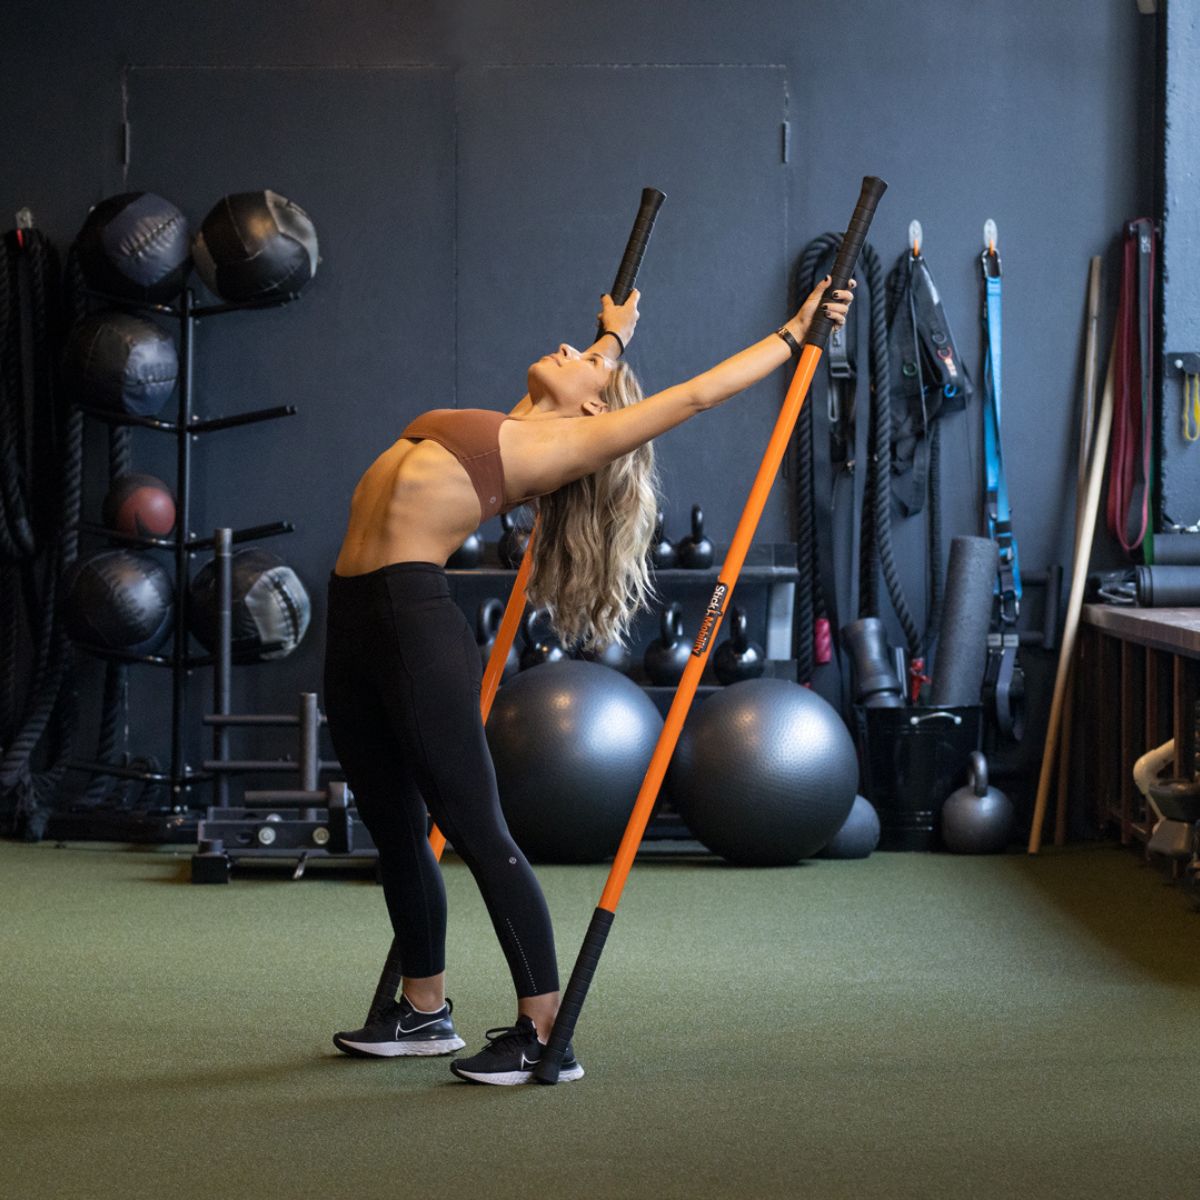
(765,772)
(135,245)
(121,362)
(271,608)
(255,246)
(120,600)
(571,742)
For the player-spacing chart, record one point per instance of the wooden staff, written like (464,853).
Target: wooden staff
(1083,551)
(1086,423)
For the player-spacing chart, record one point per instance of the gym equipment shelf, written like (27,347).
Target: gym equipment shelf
(183,544)
(1137,684)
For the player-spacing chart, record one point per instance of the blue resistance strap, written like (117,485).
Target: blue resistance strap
(999,516)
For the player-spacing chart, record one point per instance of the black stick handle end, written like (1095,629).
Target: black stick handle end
(550,1063)
(852,243)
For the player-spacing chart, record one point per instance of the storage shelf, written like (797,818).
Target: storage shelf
(671,574)
(192,545)
(208,425)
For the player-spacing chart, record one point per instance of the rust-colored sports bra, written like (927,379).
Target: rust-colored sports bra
(472,435)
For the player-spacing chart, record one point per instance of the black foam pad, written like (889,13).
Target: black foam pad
(966,617)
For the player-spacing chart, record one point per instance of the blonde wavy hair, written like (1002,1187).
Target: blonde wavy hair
(590,568)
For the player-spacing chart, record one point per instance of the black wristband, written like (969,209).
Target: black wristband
(784,332)
(616,337)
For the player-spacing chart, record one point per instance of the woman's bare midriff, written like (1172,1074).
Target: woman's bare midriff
(416,502)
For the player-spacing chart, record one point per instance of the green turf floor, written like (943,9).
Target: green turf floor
(905,1026)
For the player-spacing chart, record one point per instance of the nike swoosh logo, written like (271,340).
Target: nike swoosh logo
(525,1062)
(402,1028)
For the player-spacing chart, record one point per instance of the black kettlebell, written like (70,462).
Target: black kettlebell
(539,648)
(696,552)
(612,655)
(511,549)
(977,819)
(667,656)
(487,625)
(469,554)
(737,657)
(662,552)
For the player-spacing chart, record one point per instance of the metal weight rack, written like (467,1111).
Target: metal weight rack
(300,823)
(176,822)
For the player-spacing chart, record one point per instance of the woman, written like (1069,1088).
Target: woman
(403,672)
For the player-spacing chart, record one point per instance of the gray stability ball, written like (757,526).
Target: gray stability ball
(571,741)
(765,772)
(859,836)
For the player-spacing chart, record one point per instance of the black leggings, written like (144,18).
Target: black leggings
(402,682)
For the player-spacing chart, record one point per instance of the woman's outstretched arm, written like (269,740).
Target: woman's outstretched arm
(747,367)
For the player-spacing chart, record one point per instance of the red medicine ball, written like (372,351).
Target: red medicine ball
(139,505)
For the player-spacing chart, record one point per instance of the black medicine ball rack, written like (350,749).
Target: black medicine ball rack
(177,822)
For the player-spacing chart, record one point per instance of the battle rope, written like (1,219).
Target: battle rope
(42,465)
(873,438)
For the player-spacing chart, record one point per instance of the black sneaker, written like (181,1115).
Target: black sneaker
(401,1029)
(510,1056)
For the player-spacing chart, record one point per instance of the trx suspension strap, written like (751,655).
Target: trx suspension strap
(1129,469)
(631,261)
(550,1063)
(928,378)
(1003,680)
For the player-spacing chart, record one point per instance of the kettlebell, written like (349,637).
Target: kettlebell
(696,552)
(469,554)
(511,549)
(977,819)
(612,655)
(737,657)
(667,656)
(662,552)
(487,625)
(539,648)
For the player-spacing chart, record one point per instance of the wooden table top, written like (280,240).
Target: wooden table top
(1175,630)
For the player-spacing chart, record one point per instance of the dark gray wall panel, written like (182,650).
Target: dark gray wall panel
(552,161)
(369,155)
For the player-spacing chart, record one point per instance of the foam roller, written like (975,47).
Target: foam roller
(1177,549)
(1168,587)
(966,619)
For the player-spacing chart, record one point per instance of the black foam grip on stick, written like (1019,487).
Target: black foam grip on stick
(847,257)
(572,1002)
(639,238)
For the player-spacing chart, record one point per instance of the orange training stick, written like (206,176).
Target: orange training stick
(549,1064)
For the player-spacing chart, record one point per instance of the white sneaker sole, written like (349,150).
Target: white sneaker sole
(512,1078)
(401,1049)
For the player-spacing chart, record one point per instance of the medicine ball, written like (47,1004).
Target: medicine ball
(120,600)
(571,742)
(271,609)
(139,505)
(765,772)
(254,246)
(135,245)
(122,363)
